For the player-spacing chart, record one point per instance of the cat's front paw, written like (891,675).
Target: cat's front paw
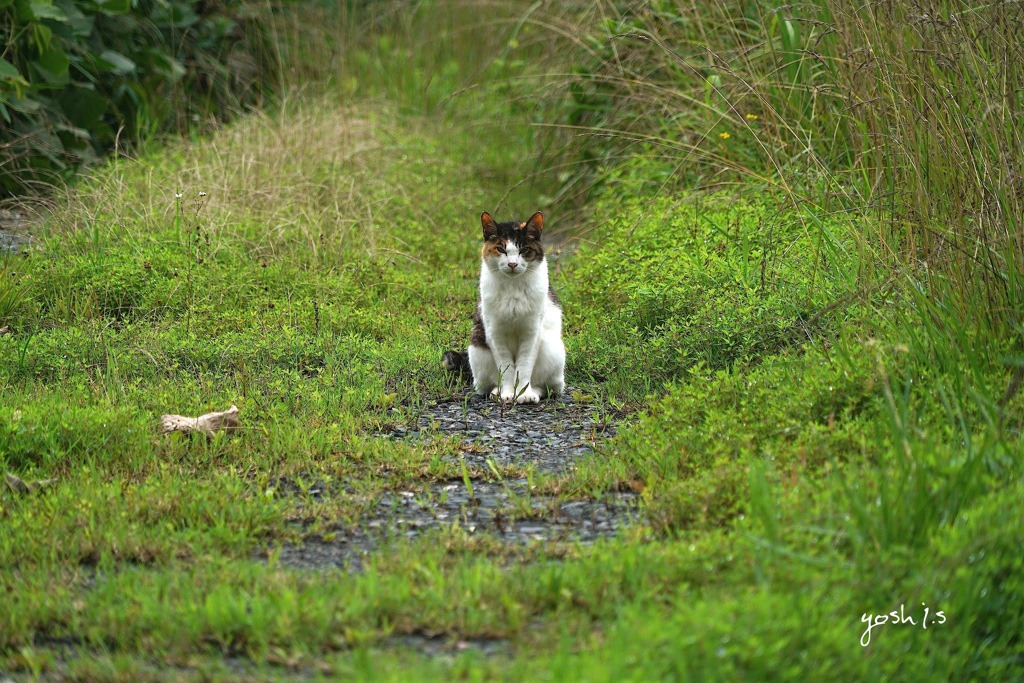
(528,396)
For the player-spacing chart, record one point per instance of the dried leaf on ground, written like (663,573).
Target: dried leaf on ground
(207,424)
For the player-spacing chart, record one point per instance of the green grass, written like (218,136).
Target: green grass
(816,436)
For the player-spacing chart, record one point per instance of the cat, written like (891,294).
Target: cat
(516,350)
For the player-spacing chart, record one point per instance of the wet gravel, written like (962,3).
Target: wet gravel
(549,437)
(13,231)
(448,645)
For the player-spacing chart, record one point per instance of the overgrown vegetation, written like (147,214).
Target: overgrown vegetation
(901,116)
(795,263)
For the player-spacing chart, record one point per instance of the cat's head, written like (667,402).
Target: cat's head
(513,248)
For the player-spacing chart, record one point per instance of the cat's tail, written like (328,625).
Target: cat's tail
(457,362)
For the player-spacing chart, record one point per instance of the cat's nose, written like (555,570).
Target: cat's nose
(512,265)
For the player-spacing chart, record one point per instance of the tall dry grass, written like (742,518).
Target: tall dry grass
(933,96)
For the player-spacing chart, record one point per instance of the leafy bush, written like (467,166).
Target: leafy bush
(78,77)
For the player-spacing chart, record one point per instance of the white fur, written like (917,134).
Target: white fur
(526,358)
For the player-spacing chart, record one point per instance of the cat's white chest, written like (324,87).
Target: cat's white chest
(515,304)
(511,307)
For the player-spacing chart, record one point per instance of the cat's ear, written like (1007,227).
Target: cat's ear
(489,226)
(535,225)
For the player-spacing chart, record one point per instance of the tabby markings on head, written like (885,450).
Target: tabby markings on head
(524,235)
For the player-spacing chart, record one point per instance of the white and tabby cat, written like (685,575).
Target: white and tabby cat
(516,350)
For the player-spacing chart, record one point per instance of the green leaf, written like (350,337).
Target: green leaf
(81,25)
(23,105)
(6,3)
(46,144)
(9,72)
(83,105)
(34,10)
(178,15)
(74,131)
(114,6)
(41,35)
(114,62)
(52,65)
(44,9)
(164,64)
(790,35)
(23,10)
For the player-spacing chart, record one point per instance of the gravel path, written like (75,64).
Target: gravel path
(13,230)
(548,437)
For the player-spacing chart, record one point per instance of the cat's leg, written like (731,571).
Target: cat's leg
(549,370)
(484,369)
(526,361)
(509,382)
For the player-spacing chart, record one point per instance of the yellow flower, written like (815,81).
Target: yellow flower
(724,136)
(752,117)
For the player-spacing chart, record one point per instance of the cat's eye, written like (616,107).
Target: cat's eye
(527,252)
(500,248)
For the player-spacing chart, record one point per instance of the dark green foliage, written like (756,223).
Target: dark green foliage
(78,78)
